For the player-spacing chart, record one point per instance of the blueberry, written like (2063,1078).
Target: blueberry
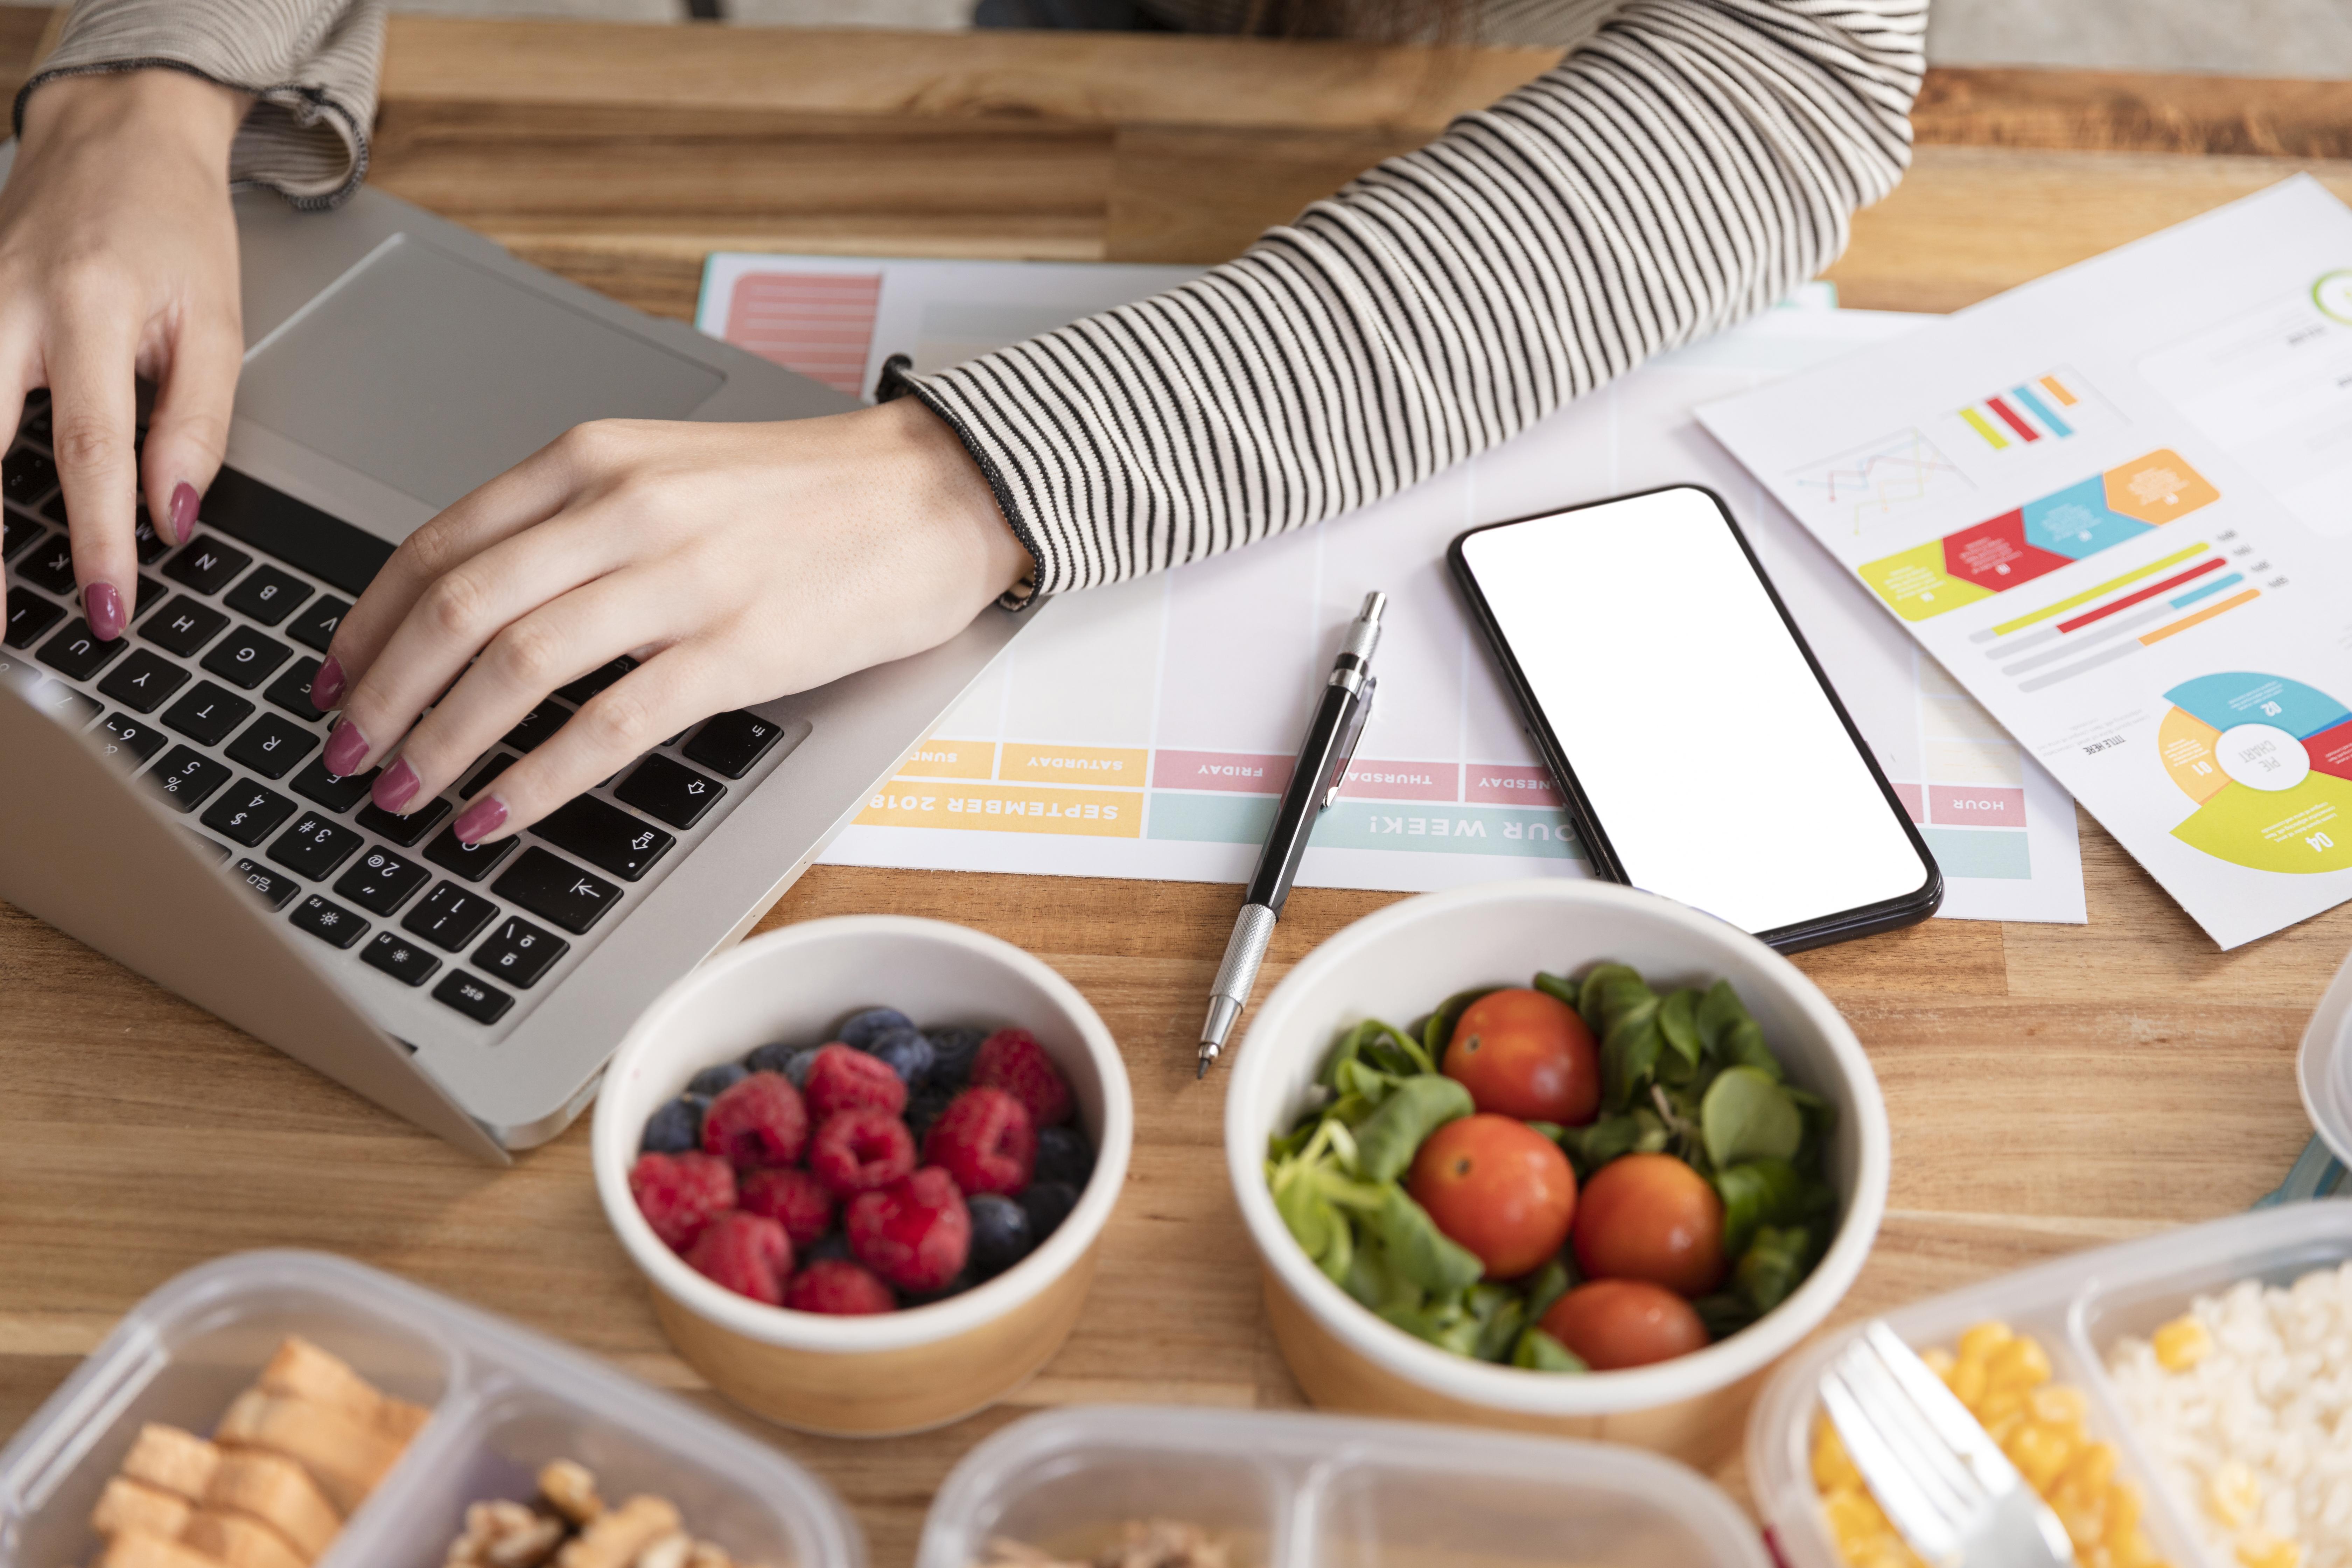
(904,1052)
(676,1128)
(771,1058)
(797,1064)
(1064,1155)
(1000,1234)
(955,1287)
(923,1108)
(952,1049)
(861,1028)
(831,1243)
(712,1082)
(1049,1204)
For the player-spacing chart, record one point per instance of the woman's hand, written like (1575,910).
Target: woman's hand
(118,257)
(739,562)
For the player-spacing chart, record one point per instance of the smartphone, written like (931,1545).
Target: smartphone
(1701,751)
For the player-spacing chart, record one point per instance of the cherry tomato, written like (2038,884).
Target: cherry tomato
(1522,1053)
(1650,1216)
(1617,1323)
(1499,1187)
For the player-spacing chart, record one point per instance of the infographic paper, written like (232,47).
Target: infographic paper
(2116,504)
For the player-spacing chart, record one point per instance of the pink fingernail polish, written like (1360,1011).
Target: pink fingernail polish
(345,747)
(480,818)
(327,686)
(103,605)
(395,786)
(184,512)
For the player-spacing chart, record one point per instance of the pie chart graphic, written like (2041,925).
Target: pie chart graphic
(2269,762)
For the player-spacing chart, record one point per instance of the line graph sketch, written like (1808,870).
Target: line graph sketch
(1880,480)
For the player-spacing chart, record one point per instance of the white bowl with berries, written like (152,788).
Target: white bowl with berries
(864,1164)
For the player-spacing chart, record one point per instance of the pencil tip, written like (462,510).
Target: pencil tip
(1201,1067)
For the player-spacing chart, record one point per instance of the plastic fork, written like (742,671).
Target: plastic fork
(1944,1482)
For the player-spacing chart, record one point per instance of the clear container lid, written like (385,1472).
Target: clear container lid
(504,1402)
(2078,1307)
(1300,1490)
(2322,1068)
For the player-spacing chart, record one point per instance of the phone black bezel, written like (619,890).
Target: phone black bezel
(1819,932)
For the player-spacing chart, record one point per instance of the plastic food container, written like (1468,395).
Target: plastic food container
(1399,964)
(895,1371)
(1296,1491)
(504,1403)
(2078,1306)
(2323,1066)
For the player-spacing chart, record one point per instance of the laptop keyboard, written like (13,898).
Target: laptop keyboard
(207,698)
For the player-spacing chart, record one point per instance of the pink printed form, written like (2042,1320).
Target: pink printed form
(1492,783)
(1237,773)
(1369,779)
(818,323)
(1976,806)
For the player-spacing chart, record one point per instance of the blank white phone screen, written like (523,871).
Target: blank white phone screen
(1701,740)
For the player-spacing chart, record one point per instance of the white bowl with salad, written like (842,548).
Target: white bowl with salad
(1555,1155)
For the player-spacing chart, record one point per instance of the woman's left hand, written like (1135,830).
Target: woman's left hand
(738,562)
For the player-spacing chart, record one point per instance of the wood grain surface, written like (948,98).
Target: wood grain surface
(2050,1088)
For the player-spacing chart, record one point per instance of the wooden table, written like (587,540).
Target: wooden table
(2050,1087)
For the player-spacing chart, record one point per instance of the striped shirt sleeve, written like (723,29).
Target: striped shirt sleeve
(1688,164)
(311,66)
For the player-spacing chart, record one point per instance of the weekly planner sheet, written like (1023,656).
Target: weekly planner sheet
(1145,730)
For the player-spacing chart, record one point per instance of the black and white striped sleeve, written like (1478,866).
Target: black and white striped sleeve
(1690,163)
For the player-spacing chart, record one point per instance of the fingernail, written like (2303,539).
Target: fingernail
(395,786)
(345,747)
(103,605)
(480,818)
(184,512)
(327,685)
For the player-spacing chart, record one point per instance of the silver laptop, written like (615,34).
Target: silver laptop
(163,795)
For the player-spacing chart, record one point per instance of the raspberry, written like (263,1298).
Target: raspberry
(1012,1060)
(759,1121)
(837,1286)
(841,1079)
(985,1142)
(681,1194)
(748,1253)
(858,1151)
(915,1233)
(794,1199)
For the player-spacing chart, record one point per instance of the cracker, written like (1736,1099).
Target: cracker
(347,1458)
(175,1461)
(239,1541)
(143,1549)
(127,1504)
(278,1492)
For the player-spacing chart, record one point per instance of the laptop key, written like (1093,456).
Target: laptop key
(481,1003)
(50,565)
(147,542)
(28,475)
(29,615)
(127,741)
(520,954)
(314,846)
(69,707)
(275,887)
(248,813)
(333,791)
(151,594)
(732,742)
(380,881)
(206,566)
(142,681)
(485,773)
(207,714)
(271,746)
(187,777)
(244,658)
(553,888)
(315,627)
(449,917)
(595,680)
(605,837)
(268,595)
(15,532)
(330,922)
(405,961)
(77,654)
(183,625)
(472,863)
(291,689)
(538,726)
(671,791)
(406,831)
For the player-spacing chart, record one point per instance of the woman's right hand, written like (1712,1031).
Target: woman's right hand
(118,259)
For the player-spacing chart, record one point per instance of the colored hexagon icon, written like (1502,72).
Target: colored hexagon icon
(2157,488)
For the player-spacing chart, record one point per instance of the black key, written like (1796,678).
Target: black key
(127,742)
(271,746)
(244,658)
(382,881)
(483,1004)
(77,654)
(206,847)
(333,791)
(291,691)
(405,962)
(605,836)
(142,681)
(50,565)
(732,742)
(676,794)
(537,725)
(555,890)
(473,864)
(406,831)
(15,532)
(152,594)
(268,595)
(146,541)
(314,846)
(28,475)
(187,776)
(206,566)
(208,715)
(520,954)
(67,706)
(54,509)
(485,773)
(183,625)
(248,812)
(29,615)
(301,536)
(275,886)
(330,923)
(595,680)
(449,917)
(315,627)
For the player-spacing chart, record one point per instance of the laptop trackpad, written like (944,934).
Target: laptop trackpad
(432,375)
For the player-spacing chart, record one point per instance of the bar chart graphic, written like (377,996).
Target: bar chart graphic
(2053,406)
(2268,762)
